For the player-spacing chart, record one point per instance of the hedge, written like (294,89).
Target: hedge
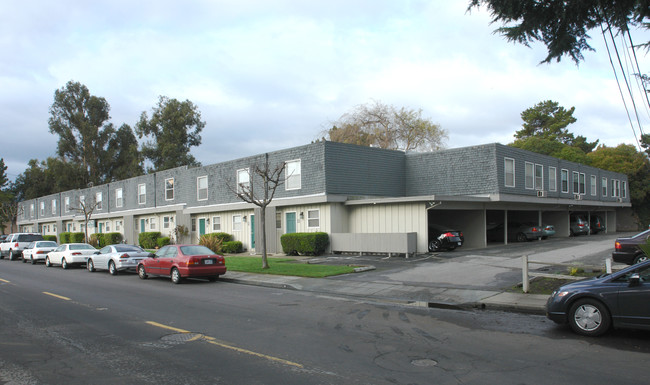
(225,237)
(304,243)
(163,241)
(232,247)
(149,240)
(112,238)
(67,237)
(49,238)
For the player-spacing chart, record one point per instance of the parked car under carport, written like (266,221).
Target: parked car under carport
(444,238)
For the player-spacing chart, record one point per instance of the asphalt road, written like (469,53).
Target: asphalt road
(74,327)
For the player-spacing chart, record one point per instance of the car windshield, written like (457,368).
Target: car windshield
(196,250)
(81,247)
(642,234)
(125,248)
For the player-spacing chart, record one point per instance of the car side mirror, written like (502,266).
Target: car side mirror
(151,255)
(634,280)
(96,252)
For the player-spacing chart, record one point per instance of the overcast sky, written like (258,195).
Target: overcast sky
(268,75)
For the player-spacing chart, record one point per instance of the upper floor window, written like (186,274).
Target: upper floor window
(243,180)
(313,218)
(509,172)
(82,200)
(98,200)
(202,188)
(142,194)
(529,173)
(613,187)
(582,183)
(603,186)
(31,210)
(42,206)
(292,174)
(618,188)
(552,179)
(594,188)
(66,204)
(539,177)
(564,179)
(623,189)
(169,189)
(576,182)
(53,206)
(119,201)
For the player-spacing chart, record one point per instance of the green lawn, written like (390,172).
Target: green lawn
(284,266)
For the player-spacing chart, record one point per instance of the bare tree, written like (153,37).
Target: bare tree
(86,209)
(10,211)
(268,179)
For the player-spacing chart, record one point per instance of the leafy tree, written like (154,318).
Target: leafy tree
(48,177)
(385,126)
(124,160)
(173,129)
(563,25)
(81,121)
(3,174)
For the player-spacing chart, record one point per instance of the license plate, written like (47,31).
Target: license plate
(208,262)
(460,243)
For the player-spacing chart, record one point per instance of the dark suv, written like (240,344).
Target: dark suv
(596,224)
(627,250)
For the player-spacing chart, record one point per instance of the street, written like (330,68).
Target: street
(75,327)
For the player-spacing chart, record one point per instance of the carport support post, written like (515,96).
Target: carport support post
(524,273)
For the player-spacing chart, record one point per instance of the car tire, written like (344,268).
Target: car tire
(213,278)
(111,268)
(11,255)
(142,273)
(90,265)
(640,258)
(64,263)
(589,317)
(521,237)
(24,260)
(451,247)
(435,245)
(176,276)
(33,260)
(47,262)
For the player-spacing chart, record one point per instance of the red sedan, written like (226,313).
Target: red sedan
(183,261)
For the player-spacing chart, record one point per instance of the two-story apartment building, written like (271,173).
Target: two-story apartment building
(345,189)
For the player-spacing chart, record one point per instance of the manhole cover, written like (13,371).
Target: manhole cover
(181,338)
(424,362)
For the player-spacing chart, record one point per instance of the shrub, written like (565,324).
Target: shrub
(149,240)
(65,237)
(96,240)
(163,241)
(304,243)
(77,238)
(225,237)
(212,242)
(112,238)
(49,238)
(232,247)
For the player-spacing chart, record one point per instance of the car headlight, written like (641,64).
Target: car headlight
(560,294)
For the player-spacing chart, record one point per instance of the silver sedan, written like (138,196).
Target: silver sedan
(116,258)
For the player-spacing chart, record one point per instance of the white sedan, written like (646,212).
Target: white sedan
(69,254)
(115,258)
(37,251)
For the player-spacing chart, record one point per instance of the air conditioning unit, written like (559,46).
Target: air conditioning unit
(619,200)
(577,197)
(541,193)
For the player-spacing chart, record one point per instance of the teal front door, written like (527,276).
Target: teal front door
(142,225)
(291,223)
(100,227)
(252,231)
(201,227)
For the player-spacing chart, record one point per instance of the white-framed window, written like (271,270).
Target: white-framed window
(593,187)
(152,223)
(216,223)
(603,186)
(169,189)
(292,172)
(278,220)
(202,188)
(617,188)
(582,183)
(529,173)
(313,218)
(166,222)
(42,208)
(539,177)
(552,178)
(98,200)
(142,194)
(193,224)
(243,180)
(119,200)
(576,182)
(66,204)
(108,226)
(118,225)
(564,180)
(623,189)
(31,210)
(613,187)
(53,206)
(236,223)
(509,172)
(82,200)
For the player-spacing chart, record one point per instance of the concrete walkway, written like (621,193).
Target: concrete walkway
(472,279)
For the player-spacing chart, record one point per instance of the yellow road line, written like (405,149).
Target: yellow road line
(212,340)
(57,296)
(4,280)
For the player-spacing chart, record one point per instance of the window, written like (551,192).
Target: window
(53,207)
(552,179)
(603,186)
(165,222)
(31,210)
(98,200)
(142,194)
(236,223)
(118,197)
(564,179)
(576,182)
(42,210)
(582,183)
(618,188)
(202,188)
(594,188)
(529,174)
(108,226)
(169,189)
(216,223)
(193,224)
(613,187)
(539,177)
(82,200)
(313,218)
(118,225)
(292,174)
(66,204)
(278,220)
(624,189)
(152,223)
(509,172)
(243,180)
